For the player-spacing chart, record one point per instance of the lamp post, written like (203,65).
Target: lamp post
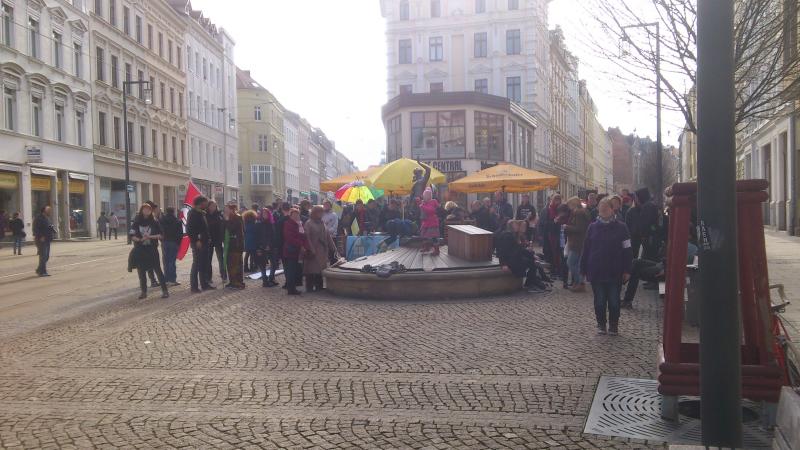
(147,93)
(659,148)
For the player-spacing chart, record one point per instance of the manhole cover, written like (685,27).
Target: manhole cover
(631,408)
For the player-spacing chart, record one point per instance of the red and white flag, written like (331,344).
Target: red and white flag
(188,203)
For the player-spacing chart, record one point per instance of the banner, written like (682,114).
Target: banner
(188,203)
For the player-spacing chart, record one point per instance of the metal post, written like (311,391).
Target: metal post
(128,221)
(659,146)
(720,354)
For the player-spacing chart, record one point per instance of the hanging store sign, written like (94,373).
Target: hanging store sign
(33,154)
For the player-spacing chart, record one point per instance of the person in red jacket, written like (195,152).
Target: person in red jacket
(294,242)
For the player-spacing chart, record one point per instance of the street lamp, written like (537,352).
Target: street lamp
(147,94)
(659,149)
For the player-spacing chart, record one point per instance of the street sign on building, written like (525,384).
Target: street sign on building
(33,153)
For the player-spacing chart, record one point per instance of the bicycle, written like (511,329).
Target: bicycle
(787,352)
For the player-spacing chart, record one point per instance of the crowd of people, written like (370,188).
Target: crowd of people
(607,241)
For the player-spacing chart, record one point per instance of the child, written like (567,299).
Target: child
(430,220)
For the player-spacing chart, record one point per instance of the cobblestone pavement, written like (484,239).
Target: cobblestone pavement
(256,369)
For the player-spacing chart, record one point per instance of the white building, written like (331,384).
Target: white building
(497,47)
(45,131)
(211,105)
(291,126)
(138,41)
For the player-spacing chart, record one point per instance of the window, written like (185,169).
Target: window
(138,25)
(189,58)
(436,8)
(241,176)
(10,108)
(161,44)
(129,137)
(33,37)
(178,57)
(489,136)
(406,89)
(513,46)
(180,104)
(482,85)
(172,100)
(36,116)
(394,139)
(80,128)
(480,6)
(112,12)
(183,152)
(481,45)
(164,146)
(59,123)
(101,128)
(205,69)
(154,142)
(263,143)
(8,25)
(98,7)
(260,175)
(77,59)
(101,71)
(257,112)
(404,10)
(514,89)
(114,71)
(438,135)
(162,92)
(142,140)
(174,149)
(169,50)
(405,51)
(117,133)
(140,77)
(126,20)
(197,62)
(437,87)
(513,4)
(435,48)
(149,36)
(128,78)
(58,52)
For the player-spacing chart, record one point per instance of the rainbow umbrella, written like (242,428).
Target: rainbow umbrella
(357,190)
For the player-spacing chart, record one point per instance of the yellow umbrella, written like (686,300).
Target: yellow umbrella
(396,178)
(336,183)
(504,177)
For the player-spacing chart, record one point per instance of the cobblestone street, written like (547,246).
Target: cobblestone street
(256,369)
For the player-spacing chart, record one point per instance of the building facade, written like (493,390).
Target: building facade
(210,103)
(291,131)
(566,157)
(46,134)
(261,143)
(595,145)
(459,133)
(138,41)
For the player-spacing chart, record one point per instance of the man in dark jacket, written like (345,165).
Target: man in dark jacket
(43,232)
(277,242)
(391,212)
(197,230)
(172,232)
(643,222)
(525,209)
(216,233)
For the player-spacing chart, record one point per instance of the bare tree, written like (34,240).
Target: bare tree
(766,56)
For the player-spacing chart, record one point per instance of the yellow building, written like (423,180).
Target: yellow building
(261,143)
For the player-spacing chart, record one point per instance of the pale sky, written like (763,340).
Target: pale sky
(326,60)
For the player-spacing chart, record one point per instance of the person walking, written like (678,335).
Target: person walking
(264,231)
(172,233)
(43,232)
(606,263)
(145,234)
(197,230)
(234,246)
(251,239)
(216,232)
(294,243)
(17,227)
(575,230)
(102,226)
(321,245)
(151,273)
(277,245)
(113,225)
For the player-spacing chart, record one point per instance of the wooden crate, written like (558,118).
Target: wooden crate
(469,242)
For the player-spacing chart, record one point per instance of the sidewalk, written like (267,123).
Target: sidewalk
(783,256)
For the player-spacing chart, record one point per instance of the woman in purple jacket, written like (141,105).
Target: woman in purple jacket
(606,263)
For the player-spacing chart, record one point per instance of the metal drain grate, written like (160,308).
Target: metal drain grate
(631,408)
